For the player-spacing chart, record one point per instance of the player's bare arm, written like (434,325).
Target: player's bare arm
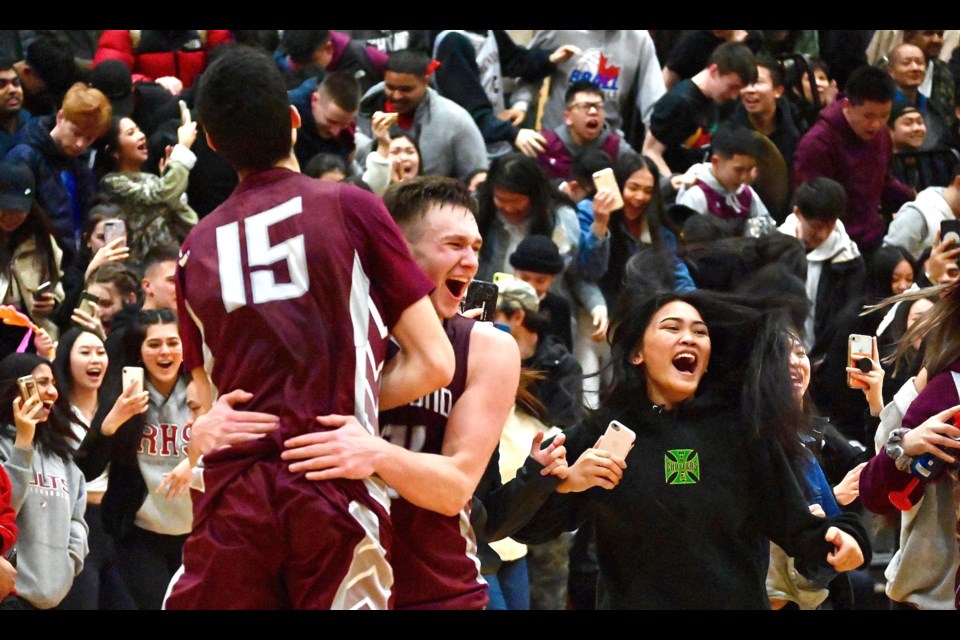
(425,361)
(443,483)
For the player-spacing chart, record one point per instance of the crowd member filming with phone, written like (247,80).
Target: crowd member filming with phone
(155,208)
(701,379)
(30,258)
(919,422)
(49,491)
(141,429)
(100,243)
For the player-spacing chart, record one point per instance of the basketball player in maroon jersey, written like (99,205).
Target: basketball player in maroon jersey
(289,291)
(435,449)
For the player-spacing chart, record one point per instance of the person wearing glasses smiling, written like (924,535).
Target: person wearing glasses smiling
(584,127)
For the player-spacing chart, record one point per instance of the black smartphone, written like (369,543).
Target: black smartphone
(950,228)
(482,295)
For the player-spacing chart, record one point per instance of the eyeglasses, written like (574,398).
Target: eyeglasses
(586,106)
(4,82)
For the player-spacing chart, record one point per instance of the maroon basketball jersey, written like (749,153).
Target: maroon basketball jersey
(288,290)
(434,557)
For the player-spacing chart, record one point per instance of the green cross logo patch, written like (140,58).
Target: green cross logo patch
(681,466)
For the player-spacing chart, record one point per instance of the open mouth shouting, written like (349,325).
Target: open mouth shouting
(94,373)
(686,362)
(457,286)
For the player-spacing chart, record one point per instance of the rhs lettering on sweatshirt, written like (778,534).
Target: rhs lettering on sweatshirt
(595,66)
(164,440)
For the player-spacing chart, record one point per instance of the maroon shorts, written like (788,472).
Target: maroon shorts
(264,538)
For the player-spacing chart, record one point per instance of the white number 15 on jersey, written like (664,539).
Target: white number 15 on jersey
(260,256)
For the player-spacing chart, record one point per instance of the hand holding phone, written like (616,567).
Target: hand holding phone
(481,295)
(89,303)
(859,346)
(604,179)
(617,439)
(950,229)
(28,388)
(113,229)
(130,375)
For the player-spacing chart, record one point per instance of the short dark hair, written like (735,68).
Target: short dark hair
(408,61)
(52,60)
(735,57)
(343,89)
(732,139)
(869,83)
(586,163)
(581,86)
(821,199)
(125,279)
(774,67)
(243,106)
(158,253)
(326,162)
(6,63)
(300,44)
(409,200)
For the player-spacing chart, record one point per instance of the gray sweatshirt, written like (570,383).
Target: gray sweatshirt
(614,59)
(50,497)
(917,222)
(162,447)
(450,142)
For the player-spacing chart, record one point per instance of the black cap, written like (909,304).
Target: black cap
(16,186)
(538,254)
(113,78)
(899,107)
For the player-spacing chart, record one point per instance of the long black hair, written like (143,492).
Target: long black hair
(749,362)
(38,227)
(54,436)
(128,355)
(61,364)
(518,173)
(104,161)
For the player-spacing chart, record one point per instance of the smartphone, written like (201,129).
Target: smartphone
(88,303)
(390,118)
(604,179)
(858,346)
(481,295)
(129,374)
(46,287)
(617,439)
(500,276)
(28,388)
(113,229)
(184,112)
(950,228)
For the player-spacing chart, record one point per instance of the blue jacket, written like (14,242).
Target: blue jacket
(34,147)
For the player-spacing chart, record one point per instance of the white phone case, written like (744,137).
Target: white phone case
(129,374)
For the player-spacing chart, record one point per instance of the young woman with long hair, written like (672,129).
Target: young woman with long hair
(49,492)
(143,437)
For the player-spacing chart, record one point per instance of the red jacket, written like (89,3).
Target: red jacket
(8,527)
(118,44)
